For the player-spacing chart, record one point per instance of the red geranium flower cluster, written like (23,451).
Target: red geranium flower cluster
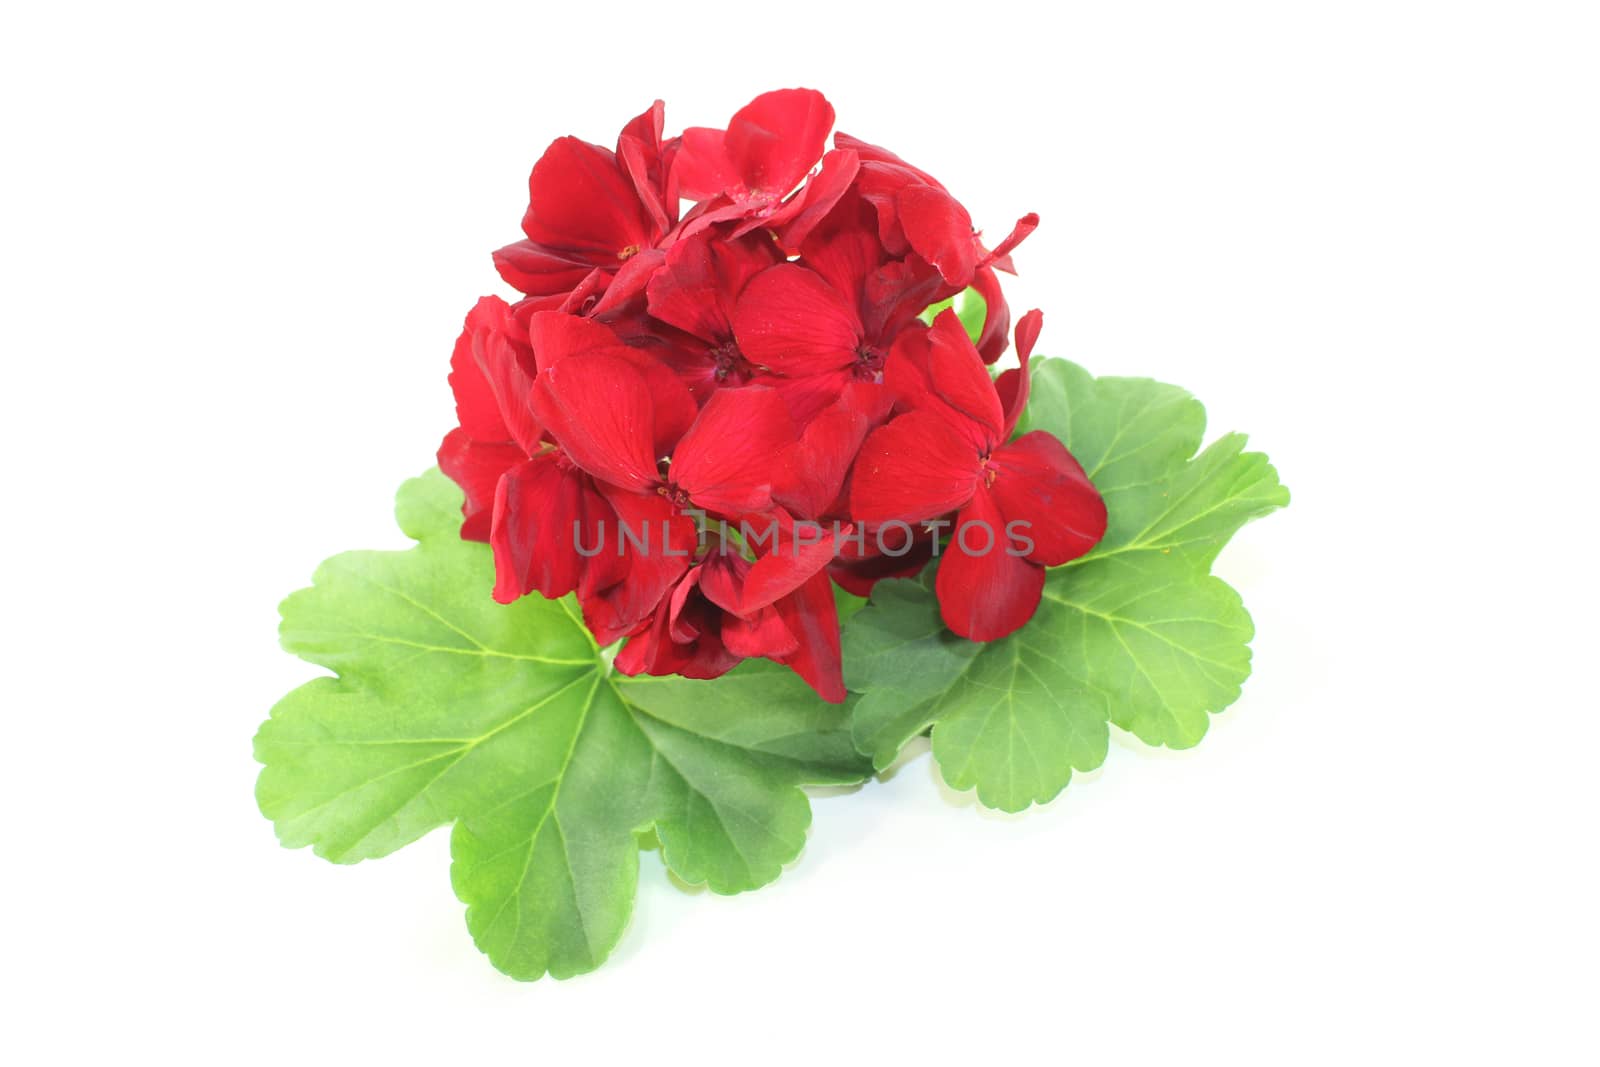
(699,420)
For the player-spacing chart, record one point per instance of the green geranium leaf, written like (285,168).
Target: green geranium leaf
(507,722)
(1137,634)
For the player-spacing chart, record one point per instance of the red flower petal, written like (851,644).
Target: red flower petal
(811,614)
(553,533)
(606,562)
(912,469)
(557,337)
(774,140)
(795,558)
(871,153)
(845,250)
(764,634)
(807,208)
(882,176)
(812,471)
(675,407)
(985,592)
(859,575)
(539,271)
(938,370)
(906,374)
(477,409)
(600,411)
(536,508)
(1028,328)
(792,321)
(940,230)
(727,459)
(722,573)
(683,637)
(1037,481)
(639,148)
(1001,256)
(808,397)
(992,341)
(668,540)
(955,371)
(702,168)
(1014,385)
(701,281)
(505,361)
(895,294)
(476,467)
(626,288)
(581,200)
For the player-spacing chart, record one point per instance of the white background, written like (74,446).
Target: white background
(238,241)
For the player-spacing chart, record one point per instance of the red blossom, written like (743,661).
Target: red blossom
(746,173)
(523,495)
(1020,506)
(699,422)
(831,317)
(916,213)
(695,291)
(592,209)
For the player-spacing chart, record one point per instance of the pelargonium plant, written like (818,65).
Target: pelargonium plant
(737,501)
